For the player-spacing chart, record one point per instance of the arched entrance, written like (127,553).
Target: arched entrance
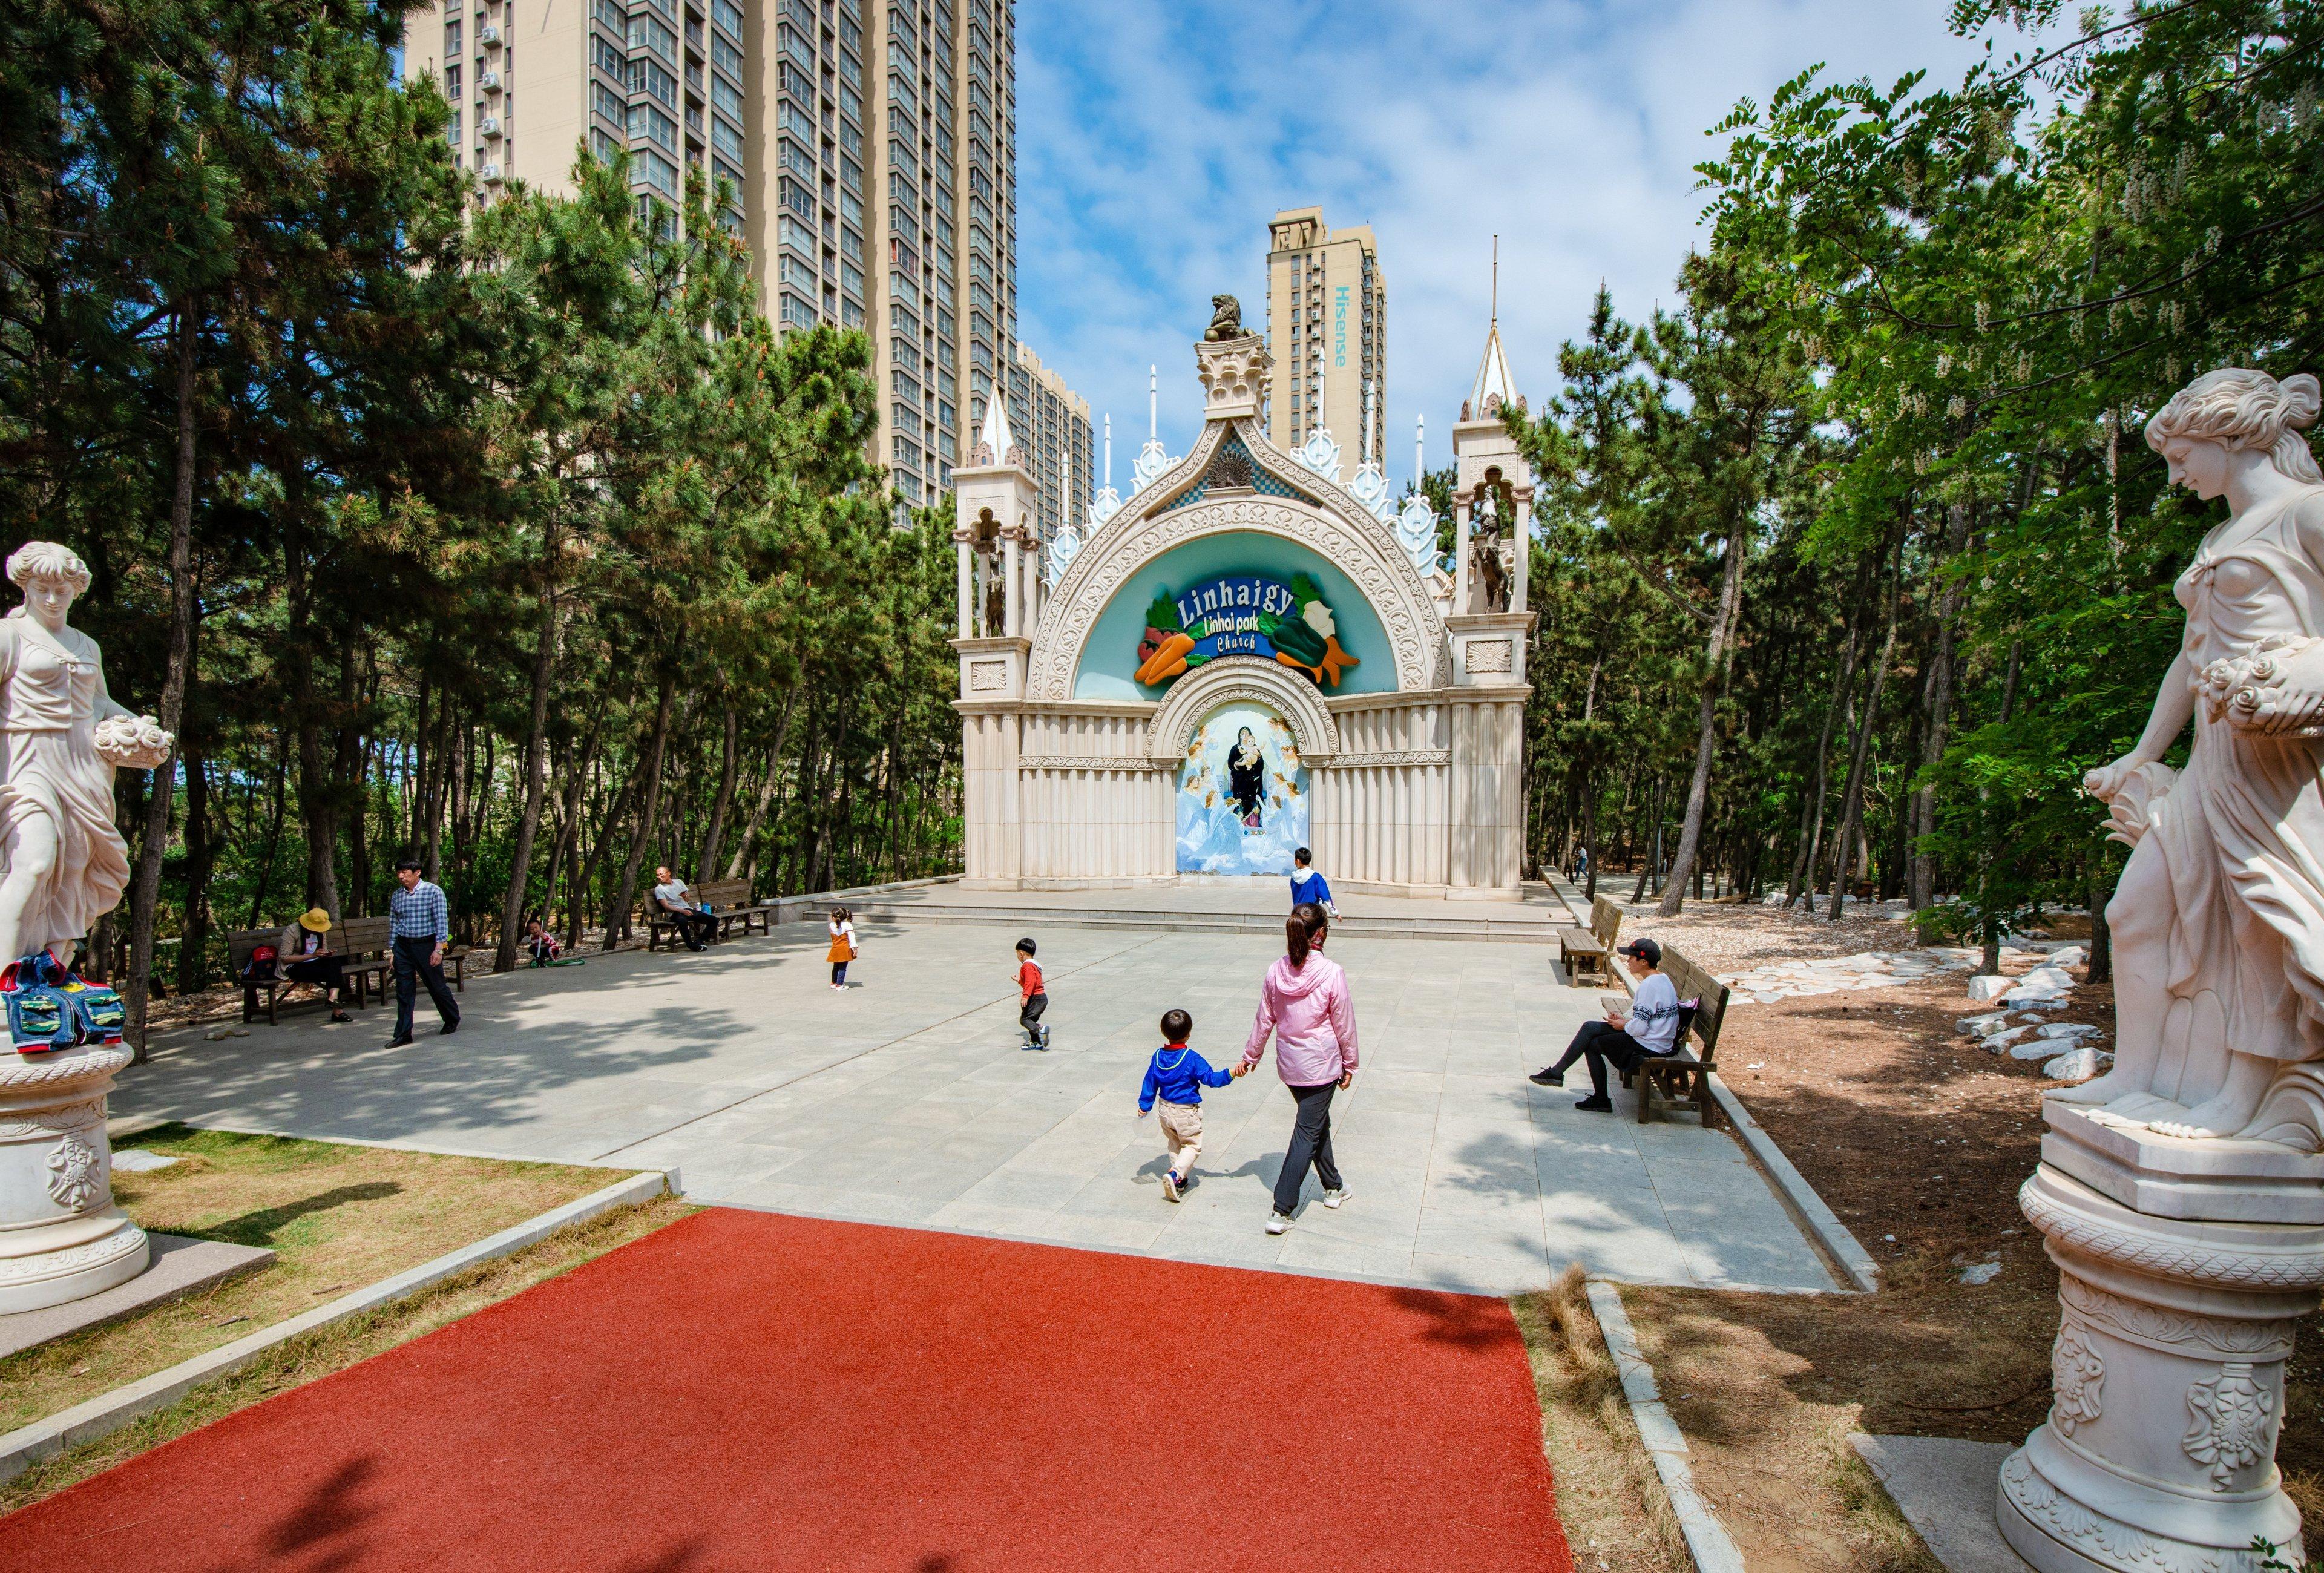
(1243,793)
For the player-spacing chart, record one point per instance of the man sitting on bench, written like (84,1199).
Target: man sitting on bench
(674,897)
(1649,1027)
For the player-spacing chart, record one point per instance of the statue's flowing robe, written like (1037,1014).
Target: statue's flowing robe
(52,697)
(2241,834)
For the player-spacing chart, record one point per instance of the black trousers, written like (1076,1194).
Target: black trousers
(1599,1042)
(411,965)
(1310,1143)
(693,927)
(1030,1017)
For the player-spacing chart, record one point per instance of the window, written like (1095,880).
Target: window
(851,211)
(851,315)
(851,73)
(798,84)
(943,229)
(605,146)
(609,14)
(657,171)
(797,313)
(849,176)
(901,159)
(651,124)
(725,57)
(725,139)
(726,172)
(944,265)
(797,159)
(851,103)
(945,383)
(797,122)
(851,34)
(798,273)
(451,39)
(609,59)
(656,81)
(944,324)
(798,198)
(900,95)
(645,33)
(795,47)
(944,141)
(851,139)
(725,99)
(902,319)
(789,231)
(902,287)
(906,418)
(452,83)
(905,230)
(851,278)
(608,103)
(451,136)
(728,15)
(945,412)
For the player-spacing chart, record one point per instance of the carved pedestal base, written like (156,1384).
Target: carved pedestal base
(62,1238)
(2167,1383)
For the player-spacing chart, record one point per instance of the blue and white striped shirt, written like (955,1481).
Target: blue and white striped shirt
(419,913)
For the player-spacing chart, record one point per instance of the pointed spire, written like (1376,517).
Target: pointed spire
(995,443)
(1495,386)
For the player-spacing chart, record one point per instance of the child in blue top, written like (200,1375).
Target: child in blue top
(1307,885)
(1177,1076)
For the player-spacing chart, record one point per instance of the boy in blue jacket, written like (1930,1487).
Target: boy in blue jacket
(1176,1074)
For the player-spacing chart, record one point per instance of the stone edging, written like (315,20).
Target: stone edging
(1707,1539)
(1854,1266)
(101,1416)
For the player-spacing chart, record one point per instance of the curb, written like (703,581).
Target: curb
(108,1412)
(1707,1542)
(1856,1268)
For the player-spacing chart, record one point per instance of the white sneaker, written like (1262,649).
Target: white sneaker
(1277,1222)
(1332,1198)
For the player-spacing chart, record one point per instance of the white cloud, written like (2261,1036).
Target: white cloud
(1155,141)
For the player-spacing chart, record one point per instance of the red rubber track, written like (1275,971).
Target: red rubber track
(752,1391)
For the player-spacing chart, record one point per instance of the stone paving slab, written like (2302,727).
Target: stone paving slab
(905,1099)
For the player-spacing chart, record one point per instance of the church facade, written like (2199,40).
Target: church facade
(1246,656)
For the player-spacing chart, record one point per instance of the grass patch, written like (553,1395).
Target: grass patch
(298,1361)
(337,1217)
(1617,1516)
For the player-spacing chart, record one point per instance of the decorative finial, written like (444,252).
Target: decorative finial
(1496,280)
(1153,404)
(1109,453)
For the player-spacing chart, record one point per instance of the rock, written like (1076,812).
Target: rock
(1976,1026)
(1986,986)
(2069,955)
(216,1033)
(2075,1064)
(2034,1049)
(2067,1030)
(1997,1041)
(2029,995)
(1980,1272)
(2049,979)
(137,1161)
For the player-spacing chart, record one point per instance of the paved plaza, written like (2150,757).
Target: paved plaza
(907,1100)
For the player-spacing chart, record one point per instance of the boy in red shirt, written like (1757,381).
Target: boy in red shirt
(1033,997)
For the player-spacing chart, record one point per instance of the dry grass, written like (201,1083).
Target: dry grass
(1617,1518)
(336,1217)
(298,1361)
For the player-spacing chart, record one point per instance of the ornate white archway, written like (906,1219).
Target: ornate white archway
(1335,528)
(1241,676)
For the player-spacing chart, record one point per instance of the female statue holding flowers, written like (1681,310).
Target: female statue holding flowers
(61,736)
(2218,921)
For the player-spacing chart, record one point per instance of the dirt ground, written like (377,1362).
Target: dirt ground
(1919,1139)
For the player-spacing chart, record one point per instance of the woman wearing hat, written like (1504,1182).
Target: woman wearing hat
(305,956)
(1650,1026)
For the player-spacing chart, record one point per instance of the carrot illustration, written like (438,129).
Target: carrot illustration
(1169,654)
(1297,665)
(1334,660)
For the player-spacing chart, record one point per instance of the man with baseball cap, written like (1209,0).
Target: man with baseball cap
(1650,1026)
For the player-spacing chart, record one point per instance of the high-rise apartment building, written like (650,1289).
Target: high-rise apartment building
(871,144)
(1052,421)
(1326,331)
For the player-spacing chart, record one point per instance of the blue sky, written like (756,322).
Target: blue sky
(1157,137)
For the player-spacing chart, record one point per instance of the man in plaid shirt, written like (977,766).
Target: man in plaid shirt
(418,926)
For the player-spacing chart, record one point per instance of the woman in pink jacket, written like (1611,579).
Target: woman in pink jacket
(1304,1004)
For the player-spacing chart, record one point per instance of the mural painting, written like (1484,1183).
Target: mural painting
(1243,795)
(1242,614)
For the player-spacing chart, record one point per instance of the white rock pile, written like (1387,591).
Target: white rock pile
(2068,1051)
(1783,980)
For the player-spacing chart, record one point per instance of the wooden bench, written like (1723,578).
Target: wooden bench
(368,959)
(730,902)
(1681,1079)
(1592,949)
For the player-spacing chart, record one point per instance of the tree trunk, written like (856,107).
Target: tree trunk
(1851,810)
(617,916)
(177,678)
(729,763)
(201,857)
(1939,713)
(2101,936)
(1714,683)
(767,787)
(1654,843)
(536,758)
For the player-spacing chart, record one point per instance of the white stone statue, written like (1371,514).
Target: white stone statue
(61,736)
(2218,921)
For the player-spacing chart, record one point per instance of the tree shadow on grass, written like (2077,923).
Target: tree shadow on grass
(261,1227)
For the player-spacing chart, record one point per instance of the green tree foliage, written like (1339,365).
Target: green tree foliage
(1913,356)
(509,535)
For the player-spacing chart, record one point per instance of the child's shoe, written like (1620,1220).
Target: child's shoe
(103,1017)
(40,1017)
(1170,1183)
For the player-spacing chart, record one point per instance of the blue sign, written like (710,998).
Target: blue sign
(1242,614)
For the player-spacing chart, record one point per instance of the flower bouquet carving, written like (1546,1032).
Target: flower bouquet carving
(132,741)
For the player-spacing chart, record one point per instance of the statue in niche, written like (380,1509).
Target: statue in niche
(62,738)
(2218,920)
(1226,320)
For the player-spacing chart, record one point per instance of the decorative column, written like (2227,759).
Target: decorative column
(1013,586)
(966,591)
(1460,502)
(1524,552)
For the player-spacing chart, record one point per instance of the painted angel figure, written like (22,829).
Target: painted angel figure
(2218,921)
(62,738)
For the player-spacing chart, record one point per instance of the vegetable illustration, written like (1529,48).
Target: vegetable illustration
(1161,622)
(1169,660)
(1335,660)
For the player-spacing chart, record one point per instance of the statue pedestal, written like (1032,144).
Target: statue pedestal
(2167,1375)
(62,1238)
